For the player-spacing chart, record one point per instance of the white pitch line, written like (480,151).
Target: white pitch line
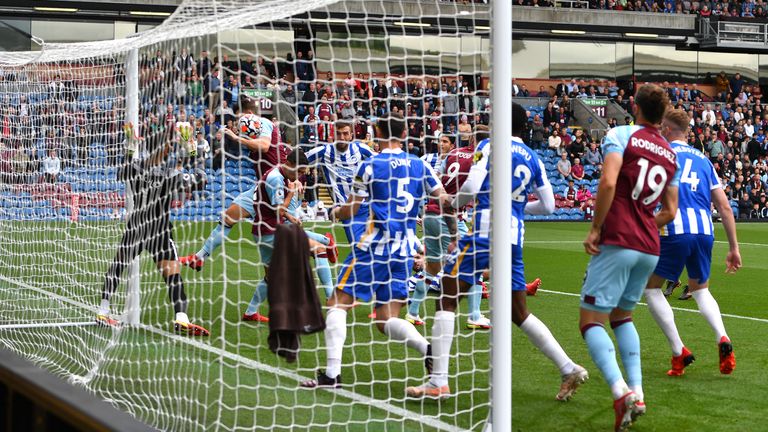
(747,318)
(384,406)
(580,242)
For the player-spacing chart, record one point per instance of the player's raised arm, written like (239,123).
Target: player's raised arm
(733,259)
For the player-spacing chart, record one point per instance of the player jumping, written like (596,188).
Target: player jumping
(640,169)
(153,181)
(259,135)
(394,183)
(472,255)
(687,242)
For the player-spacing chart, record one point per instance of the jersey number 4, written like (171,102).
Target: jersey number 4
(690,177)
(655,178)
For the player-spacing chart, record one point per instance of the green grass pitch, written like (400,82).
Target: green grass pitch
(229,382)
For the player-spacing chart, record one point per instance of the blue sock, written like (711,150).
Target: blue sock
(603,353)
(473,299)
(629,347)
(323,270)
(418,295)
(258,297)
(214,240)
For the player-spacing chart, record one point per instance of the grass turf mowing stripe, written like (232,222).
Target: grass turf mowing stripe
(379,404)
(673,307)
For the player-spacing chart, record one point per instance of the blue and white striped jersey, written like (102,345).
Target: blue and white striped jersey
(394,183)
(339,168)
(697,181)
(433,160)
(529,173)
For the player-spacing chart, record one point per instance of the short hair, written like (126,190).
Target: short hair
(652,101)
(248,103)
(297,158)
(391,126)
(482,132)
(678,118)
(342,123)
(519,120)
(449,137)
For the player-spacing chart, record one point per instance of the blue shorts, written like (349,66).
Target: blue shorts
(616,278)
(437,238)
(266,244)
(364,274)
(355,228)
(245,200)
(692,251)
(472,257)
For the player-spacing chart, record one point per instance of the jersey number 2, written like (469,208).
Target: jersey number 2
(656,179)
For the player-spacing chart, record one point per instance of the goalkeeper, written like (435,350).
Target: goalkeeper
(153,182)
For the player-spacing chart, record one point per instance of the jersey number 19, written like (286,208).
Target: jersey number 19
(655,178)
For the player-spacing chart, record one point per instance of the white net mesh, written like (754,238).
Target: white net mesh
(64,208)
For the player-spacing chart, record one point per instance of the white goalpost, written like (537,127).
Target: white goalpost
(82,233)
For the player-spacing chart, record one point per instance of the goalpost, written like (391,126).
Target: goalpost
(65,106)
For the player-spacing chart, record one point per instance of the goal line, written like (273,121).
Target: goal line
(356,397)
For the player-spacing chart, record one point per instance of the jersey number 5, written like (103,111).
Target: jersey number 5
(656,178)
(403,193)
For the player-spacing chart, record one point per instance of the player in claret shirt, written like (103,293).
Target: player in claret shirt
(640,170)
(687,242)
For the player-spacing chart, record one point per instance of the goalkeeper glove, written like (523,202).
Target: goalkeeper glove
(185,131)
(131,143)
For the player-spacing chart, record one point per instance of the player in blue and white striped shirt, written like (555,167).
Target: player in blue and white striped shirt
(394,183)
(339,162)
(687,242)
(471,258)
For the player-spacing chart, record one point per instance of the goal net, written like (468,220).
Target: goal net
(70,190)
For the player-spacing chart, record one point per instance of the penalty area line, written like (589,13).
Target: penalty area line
(727,315)
(362,399)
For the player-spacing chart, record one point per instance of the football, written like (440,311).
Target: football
(249,126)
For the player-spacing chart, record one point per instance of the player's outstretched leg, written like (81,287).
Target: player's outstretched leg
(178,297)
(572,375)
(252,311)
(335,337)
(128,249)
(417,298)
(662,313)
(476,320)
(323,260)
(232,216)
(711,310)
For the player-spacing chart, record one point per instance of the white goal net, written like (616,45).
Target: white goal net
(103,144)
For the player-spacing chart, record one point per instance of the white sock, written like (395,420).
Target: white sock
(619,389)
(665,318)
(542,338)
(442,340)
(401,330)
(638,391)
(335,336)
(202,254)
(104,307)
(182,317)
(711,311)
